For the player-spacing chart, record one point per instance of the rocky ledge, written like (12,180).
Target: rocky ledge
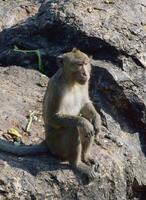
(114,33)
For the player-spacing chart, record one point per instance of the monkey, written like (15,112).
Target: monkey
(71,121)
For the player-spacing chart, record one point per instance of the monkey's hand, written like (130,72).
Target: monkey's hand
(96,121)
(87,128)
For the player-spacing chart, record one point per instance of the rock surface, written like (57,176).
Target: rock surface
(114,32)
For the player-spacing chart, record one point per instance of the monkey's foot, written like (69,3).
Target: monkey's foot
(89,172)
(89,161)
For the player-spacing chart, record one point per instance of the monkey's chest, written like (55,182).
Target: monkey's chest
(72,103)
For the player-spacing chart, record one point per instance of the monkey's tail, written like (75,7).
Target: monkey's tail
(23,150)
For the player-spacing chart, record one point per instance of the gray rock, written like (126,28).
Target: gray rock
(114,32)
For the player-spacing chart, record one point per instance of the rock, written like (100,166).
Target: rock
(114,33)
(12,12)
(142,58)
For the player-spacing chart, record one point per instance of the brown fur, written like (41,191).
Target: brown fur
(69,115)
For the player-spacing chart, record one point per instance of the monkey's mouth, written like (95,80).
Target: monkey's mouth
(83,80)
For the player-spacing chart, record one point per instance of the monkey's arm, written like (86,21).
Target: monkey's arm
(60,120)
(89,112)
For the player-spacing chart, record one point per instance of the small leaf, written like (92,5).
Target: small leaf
(14,133)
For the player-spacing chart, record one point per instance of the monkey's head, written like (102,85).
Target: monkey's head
(76,65)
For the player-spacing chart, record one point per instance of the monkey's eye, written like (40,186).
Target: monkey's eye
(79,66)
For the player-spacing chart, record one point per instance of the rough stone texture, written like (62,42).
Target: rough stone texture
(114,32)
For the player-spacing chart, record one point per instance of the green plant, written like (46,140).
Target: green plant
(37,52)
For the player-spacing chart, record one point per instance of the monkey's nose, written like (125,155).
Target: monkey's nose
(84,74)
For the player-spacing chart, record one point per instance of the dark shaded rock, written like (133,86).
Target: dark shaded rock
(114,33)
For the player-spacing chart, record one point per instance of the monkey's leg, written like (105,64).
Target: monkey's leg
(75,157)
(65,143)
(87,143)
(90,113)
(58,142)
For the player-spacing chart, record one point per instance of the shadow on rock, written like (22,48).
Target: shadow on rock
(122,104)
(50,37)
(43,162)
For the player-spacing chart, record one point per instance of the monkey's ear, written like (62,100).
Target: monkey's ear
(74,49)
(90,57)
(60,60)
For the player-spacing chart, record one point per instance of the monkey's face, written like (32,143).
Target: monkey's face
(77,66)
(81,72)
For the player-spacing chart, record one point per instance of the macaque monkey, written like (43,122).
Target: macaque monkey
(71,121)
